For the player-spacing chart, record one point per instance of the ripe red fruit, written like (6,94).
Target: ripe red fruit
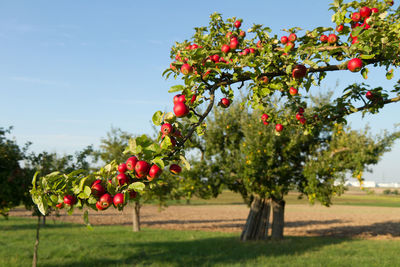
(299,71)
(356,16)
(339,28)
(264,117)
(104,201)
(242,34)
(122,168)
(390,2)
(355,40)
(122,179)
(369,95)
(118,200)
(293,91)
(154,172)
(132,194)
(142,168)
(299,116)
(180,109)
(98,206)
(225,48)
(172,67)
(224,102)
(97,189)
(69,200)
(323,38)
(354,64)
(238,23)
(186,69)
(259,44)
(264,79)
(215,58)
(265,122)
(279,127)
(292,37)
(365,12)
(166,129)
(60,205)
(193,99)
(252,50)
(228,35)
(175,169)
(290,45)
(332,38)
(179,98)
(374,10)
(284,39)
(302,120)
(131,162)
(234,44)
(301,110)
(194,46)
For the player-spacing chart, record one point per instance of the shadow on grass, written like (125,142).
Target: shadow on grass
(203,252)
(32,224)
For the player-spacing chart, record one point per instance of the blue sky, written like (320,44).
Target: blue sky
(69,70)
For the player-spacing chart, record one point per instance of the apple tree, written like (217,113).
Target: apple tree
(222,57)
(263,166)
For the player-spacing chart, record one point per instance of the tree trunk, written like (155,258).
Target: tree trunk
(35,248)
(257,223)
(278,219)
(44,220)
(136,217)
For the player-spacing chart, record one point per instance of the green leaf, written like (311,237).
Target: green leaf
(34,180)
(82,183)
(364,73)
(389,74)
(137,186)
(367,56)
(157,118)
(185,162)
(159,162)
(176,88)
(42,205)
(86,220)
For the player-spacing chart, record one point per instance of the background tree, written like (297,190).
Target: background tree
(263,165)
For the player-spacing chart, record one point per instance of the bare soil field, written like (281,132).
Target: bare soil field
(300,220)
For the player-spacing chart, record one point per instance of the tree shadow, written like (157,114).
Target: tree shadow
(389,228)
(203,252)
(32,226)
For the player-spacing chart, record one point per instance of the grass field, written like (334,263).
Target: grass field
(65,244)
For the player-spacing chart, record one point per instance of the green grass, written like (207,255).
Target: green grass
(349,198)
(65,244)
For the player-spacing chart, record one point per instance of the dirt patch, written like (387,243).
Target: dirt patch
(300,220)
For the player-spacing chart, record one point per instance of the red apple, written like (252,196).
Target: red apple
(99,206)
(166,129)
(264,117)
(186,69)
(194,46)
(279,127)
(175,168)
(293,91)
(131,162)
(301,110)
(215,58)
(354,64)
(339,28)
(193,99)
(299,71)
(122,179)
(154,172)
(264,79)
(374,10)
(118,200)
(69,200)
(323,38)
(225,48)
(242,34)
(252,50)
(97,189)
(122,168)
(142,168)
(292,37)
(290,45)
(234,44)
(369,95)
(238,23)
(180,109)
(265,122)
(299,116)
(60,205)
(302,120)
(224,102)
(284,39)
(179,98)
(365,12)
(356,16)
(105,201)
(332,38)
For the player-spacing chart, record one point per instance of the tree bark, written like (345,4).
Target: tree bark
(44,220)
(35,248)
(278,220)
(136,217)
(257,223)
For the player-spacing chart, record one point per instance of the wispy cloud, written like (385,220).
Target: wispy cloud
(39,81)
